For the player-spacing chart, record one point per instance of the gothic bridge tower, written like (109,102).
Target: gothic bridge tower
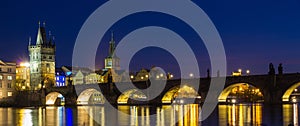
(42,60)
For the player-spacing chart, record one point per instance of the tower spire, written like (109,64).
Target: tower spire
(41,36)
(50,38)
(112,35)
(29,40)
(111,45)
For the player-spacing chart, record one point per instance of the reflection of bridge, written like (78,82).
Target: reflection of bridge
(275,89)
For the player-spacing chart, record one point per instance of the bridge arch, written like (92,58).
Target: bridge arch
(90,96)
(55,98)
(184,91)
(132,94)
(239,87)
(289,91)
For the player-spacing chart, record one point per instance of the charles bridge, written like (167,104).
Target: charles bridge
(275,89)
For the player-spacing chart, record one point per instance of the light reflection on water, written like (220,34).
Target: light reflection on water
(181,115)
(240,115)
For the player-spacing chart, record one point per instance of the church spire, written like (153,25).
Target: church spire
(111,45)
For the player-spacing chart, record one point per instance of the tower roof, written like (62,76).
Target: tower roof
(111,46)
(41,36)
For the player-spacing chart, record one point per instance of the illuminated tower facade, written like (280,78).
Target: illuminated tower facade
(42,60)
(112,61)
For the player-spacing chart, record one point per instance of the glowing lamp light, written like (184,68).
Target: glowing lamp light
(171,76)
(294,100)
(240,70)
(233,101)
(248,71)
(191,75)
(161,75)
(25,64)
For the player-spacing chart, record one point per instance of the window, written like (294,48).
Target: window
(9,94)
(1,94)
(50,57)
(8,85)
(0,69)
(1,77)
(9,70)
(9,77)
(0,84)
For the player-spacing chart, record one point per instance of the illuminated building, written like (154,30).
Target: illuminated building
(42,60)
(92,78)
(60,78)
(7,80)
(23,76)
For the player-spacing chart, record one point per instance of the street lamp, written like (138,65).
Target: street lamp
(240,71)
(191,75)
(248,72)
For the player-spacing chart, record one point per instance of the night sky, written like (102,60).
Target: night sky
(255,33)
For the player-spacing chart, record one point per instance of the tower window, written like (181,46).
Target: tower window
(9,94)
(50,57)
(9,77)
(8,85)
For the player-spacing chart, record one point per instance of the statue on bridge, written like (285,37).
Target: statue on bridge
(271,69)
(280,69)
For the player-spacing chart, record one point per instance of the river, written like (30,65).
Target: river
(223,115)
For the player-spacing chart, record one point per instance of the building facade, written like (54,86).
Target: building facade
(7,80)
(23,76)
(42,60)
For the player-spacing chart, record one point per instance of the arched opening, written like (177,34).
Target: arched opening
(181,94)
(132,96)
(55,98)
(241,92)
(90,97)
(292,94)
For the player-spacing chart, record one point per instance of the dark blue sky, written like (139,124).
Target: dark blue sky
(254,33)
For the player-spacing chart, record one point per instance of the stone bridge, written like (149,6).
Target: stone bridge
(275,89)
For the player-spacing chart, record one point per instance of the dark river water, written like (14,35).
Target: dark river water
(181,115)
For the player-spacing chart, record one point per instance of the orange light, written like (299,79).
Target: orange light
(25,64)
